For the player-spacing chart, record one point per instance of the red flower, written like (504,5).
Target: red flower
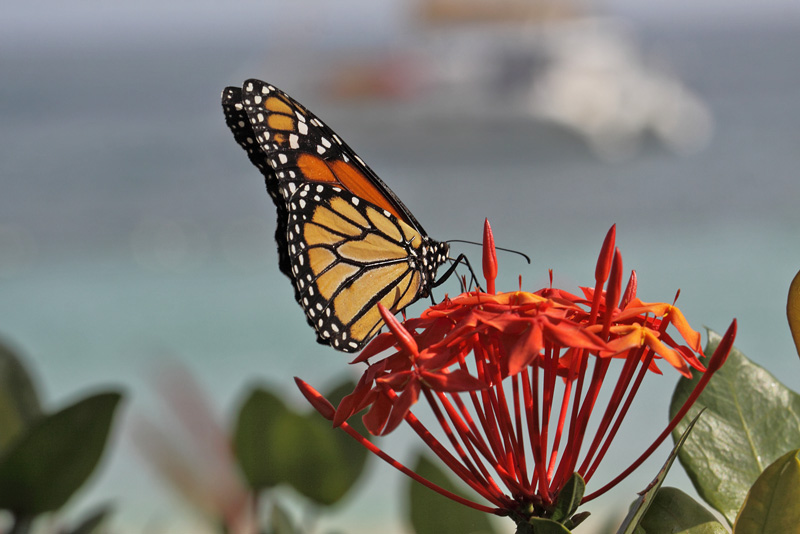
(512,380)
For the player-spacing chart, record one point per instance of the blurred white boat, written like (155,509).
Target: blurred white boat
(598,83)
(546,61)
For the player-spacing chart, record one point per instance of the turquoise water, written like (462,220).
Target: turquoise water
(134,232)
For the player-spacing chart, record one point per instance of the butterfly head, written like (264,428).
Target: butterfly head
(434,254)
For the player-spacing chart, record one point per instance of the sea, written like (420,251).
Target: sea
(135,236)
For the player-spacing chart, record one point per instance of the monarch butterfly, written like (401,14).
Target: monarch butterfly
(344,238)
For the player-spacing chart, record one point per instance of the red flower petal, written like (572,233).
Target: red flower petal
(455,381)
(316,399)
(489,257)
(401,406)
(375,419)
(403,337)
(524,351)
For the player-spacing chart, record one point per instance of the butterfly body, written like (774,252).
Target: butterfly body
(344,238)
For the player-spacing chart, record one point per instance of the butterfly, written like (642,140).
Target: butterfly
(344,238)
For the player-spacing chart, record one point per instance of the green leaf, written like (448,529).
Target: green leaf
(321,471)
(432,513)
(576,520)
(275,445)
(569,498)
(541,525)
(56,455)
(638,510)
(257,437)
(674,512)
(773,503)
(19,403)
(751,419)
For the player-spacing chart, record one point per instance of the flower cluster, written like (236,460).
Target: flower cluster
(513,380)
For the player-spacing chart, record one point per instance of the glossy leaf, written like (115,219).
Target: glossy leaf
(431,513)
(674,512)
(751,419)
(19,403)
(569,498)
(541,525)
(275,445)
(631,524)
(773,503)
(56,455)
(576,519)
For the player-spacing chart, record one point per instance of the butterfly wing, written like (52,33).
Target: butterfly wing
(298,145)
(344,238)
(237,120)
(347,255)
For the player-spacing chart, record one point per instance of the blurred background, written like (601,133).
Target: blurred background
(134,233)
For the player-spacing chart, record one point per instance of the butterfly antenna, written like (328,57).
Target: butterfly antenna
(527,258)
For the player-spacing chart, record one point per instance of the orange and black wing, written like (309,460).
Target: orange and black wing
(239,123)
(344,238)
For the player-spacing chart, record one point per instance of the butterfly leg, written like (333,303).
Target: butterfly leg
(459,260)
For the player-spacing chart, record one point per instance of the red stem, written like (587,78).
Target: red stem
(424,481)
(621,415)
(634,356)
(719,357)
